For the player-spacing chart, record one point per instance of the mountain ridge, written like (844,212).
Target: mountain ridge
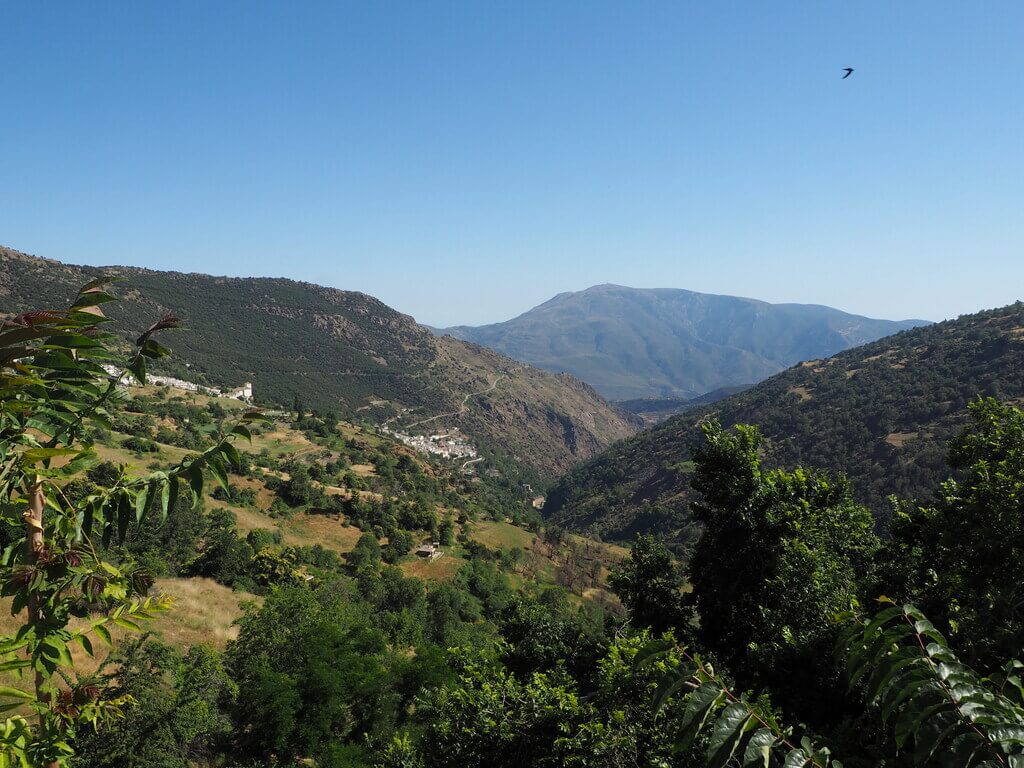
(881,413)
(340,350)
(633,343)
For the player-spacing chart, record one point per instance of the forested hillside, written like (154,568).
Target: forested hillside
(640,343)
(340,351)
(881,413)
(192,583)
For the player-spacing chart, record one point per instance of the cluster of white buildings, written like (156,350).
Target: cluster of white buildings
(448,446)
(243,393)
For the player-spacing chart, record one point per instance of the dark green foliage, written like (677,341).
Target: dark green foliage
(782,553)
(881,414)
(491,718)
(312,673)
(446,532)
(164,550)
(960,555)
(224,556)
(543,635)
(400,543)
(298,490)
(181,715)
(329,350)
(650,585)
(366,554)
(936,707)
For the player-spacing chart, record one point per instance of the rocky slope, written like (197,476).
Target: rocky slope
(340,350)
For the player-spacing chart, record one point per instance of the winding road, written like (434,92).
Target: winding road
(462,406)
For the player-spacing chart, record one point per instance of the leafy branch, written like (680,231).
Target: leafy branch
(930,699)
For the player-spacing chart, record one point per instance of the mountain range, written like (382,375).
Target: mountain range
(882,413)
(633,343)
(342,351)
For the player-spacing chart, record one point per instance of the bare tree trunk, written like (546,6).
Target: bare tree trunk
(34,544)
(33,547)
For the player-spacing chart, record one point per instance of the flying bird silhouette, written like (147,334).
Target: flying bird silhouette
(848,71)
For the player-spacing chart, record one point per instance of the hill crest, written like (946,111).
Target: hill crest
(882,413)
(339,350)
(634,343)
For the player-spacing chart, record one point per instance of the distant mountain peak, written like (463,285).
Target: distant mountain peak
(672,342)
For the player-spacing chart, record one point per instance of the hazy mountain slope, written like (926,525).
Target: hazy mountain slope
(340,350)
(635,343)
(881,413)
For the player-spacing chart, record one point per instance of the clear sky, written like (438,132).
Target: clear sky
(466,161)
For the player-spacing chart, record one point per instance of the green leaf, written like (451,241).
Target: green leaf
(242,431)
(195,480)
(758,753)
(103,634)
(219,474)
(933,733)
(86,644)
(126,623)
(16,693)
(653,650)
(154,350)
(165,499)
(141,502)
(124,515)
(699,705)
(92,298)
(727,733)
(231,454)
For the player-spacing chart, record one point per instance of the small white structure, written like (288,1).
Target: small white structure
(448,445)
(243,392)
(429,550)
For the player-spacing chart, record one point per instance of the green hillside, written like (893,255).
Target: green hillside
(882,413)
(341,351)
(642,343)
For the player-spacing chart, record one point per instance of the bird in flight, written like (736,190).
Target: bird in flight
(848,71)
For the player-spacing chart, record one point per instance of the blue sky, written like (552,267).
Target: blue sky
(466,161)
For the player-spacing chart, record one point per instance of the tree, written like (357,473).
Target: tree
(961,556)
(780,555)
(649,584)
(400,543)
(446,532)
(53,392)
(940,711)
(366,554)
(181,714)
(312,672)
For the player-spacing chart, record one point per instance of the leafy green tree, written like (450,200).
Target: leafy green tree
(366,554)
(182,711)
(780,555)
(312,672)
(224,556)
(490,717)
(400,543)
(541,636)
(446,532)
(53,392)
(649,584)
(961,556)
(166,549)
